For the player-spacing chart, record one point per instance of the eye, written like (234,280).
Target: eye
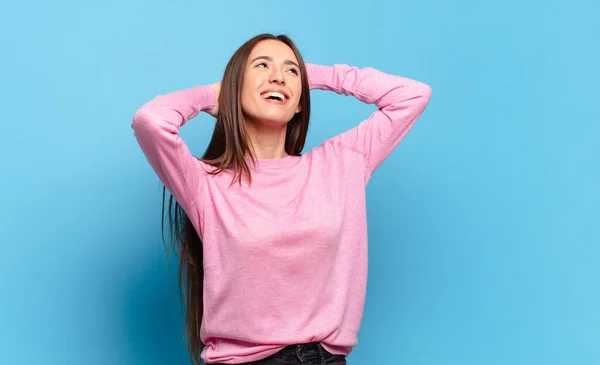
(294,71)
(261,64)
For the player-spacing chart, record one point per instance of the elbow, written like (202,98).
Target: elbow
(424,95)
(425,92)
(146,115)
(143,122)
(141,118)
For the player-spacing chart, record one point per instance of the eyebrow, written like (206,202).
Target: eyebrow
(287,62)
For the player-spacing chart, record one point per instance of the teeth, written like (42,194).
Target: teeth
(273,94)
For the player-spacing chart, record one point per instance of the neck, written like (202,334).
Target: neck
(267,143)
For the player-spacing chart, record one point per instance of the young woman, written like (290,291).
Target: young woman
(272,242)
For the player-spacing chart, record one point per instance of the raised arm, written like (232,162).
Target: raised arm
(400,102)
(156,127)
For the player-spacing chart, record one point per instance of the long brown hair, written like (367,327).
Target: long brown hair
(227,150)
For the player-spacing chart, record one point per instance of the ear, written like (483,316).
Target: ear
(299,108)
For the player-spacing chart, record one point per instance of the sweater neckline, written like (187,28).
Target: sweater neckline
(272,163)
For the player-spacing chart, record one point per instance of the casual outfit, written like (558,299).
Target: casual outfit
(285,257)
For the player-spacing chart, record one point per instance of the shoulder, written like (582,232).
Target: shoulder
(334,157)
(335,149)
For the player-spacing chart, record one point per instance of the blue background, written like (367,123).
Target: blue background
(484,223)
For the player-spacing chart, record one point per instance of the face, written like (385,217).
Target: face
(272,84)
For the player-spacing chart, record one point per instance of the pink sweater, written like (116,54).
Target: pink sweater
(285,259)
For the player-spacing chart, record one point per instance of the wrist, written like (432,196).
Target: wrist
(216,88)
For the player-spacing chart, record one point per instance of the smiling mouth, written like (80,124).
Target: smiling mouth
(275,96)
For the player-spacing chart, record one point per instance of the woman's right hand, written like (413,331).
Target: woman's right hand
(217,88)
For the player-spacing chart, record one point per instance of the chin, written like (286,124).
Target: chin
(270,120)
(273,122)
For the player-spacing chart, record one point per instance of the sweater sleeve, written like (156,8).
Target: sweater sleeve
(400,102)
(156,127)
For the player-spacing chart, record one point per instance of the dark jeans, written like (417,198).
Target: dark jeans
(304,354)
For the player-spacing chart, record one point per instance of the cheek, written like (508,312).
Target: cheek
(297,89)
(250,87)
(247,94)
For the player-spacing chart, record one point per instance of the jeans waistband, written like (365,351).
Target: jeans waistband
(305,350)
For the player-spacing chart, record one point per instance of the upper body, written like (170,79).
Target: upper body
(285,254)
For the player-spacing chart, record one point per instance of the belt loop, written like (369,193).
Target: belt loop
(300,352)
(321,352)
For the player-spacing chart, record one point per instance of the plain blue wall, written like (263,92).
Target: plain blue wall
(484,224)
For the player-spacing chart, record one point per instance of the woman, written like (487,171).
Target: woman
(272,242)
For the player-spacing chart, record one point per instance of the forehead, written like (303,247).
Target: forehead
(275,49)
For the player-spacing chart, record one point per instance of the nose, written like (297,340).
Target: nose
(277,76)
